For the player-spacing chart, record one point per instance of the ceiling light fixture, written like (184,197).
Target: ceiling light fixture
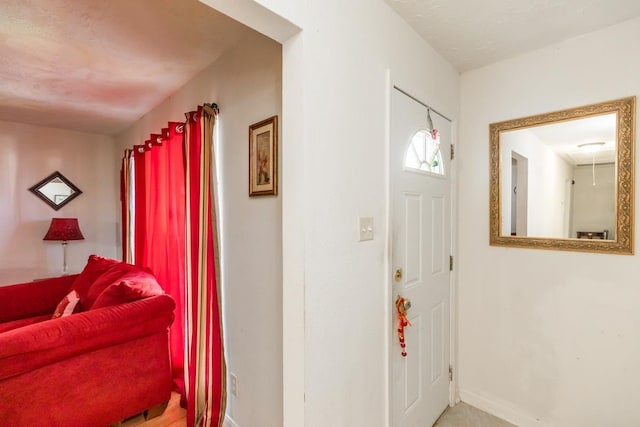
(591,147)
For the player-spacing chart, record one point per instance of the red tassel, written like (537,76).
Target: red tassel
(402,323)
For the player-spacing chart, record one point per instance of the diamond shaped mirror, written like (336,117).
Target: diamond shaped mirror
(55,190)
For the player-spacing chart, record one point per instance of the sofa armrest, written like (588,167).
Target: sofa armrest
(31,347)
(32,299)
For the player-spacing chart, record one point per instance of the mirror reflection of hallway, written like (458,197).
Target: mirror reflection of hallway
(594,199)
(519,194)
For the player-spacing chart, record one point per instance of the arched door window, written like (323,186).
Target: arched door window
(424,152)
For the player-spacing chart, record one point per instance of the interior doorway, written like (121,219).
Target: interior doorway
(519,194)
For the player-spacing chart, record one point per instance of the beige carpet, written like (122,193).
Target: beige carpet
(463,415)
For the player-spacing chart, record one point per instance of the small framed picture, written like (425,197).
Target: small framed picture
(263,158)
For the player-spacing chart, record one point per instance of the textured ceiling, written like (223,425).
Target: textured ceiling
(98,66)
(473,33)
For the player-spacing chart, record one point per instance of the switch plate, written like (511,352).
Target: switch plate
(234,385)
(365,228)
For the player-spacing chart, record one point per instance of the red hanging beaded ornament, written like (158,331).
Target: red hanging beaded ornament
(402,323)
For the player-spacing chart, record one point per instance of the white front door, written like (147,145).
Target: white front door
(421,242)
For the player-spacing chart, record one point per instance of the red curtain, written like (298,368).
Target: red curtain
(171,201)
(157,202)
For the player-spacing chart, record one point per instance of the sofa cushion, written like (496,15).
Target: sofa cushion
(31,299)
(96,266)
(33,346)
(7,326)
(67,306)
(132,286)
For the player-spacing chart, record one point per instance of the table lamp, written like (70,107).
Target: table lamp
(64,229)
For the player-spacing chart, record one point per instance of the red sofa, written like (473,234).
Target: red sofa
(107,361)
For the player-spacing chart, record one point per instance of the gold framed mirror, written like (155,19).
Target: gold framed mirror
(565,180)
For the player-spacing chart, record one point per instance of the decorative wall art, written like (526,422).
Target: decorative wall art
(55,190)
(263,158)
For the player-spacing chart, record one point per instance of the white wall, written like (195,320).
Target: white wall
(546,183)
(546,338)
(28,154)
(348,48)
(246,85)
(594,206)
(335,106)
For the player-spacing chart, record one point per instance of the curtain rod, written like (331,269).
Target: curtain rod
(422,103)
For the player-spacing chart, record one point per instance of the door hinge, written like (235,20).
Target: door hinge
(450,373)
(453,152)
(450,262)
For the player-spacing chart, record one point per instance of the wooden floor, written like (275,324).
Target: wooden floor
(173,416)
(461,415)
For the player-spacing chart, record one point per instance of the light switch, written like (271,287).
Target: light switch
(365,227)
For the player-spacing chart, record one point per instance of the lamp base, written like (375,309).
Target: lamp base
(64,257)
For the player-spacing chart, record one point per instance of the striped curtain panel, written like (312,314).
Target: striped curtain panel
(206,371)
(127,189)
(169,225)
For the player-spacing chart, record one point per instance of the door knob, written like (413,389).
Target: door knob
(402,304)
(397,275)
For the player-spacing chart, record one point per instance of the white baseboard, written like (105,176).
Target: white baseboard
(228,422)
(501,409)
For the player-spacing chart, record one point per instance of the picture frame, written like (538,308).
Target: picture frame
(263,158)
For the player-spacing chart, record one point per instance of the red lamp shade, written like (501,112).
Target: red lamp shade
(64,229)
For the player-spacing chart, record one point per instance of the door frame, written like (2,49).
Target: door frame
(389,315)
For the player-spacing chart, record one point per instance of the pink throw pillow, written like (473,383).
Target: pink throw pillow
(96,266)
(67,306)
(131,287)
